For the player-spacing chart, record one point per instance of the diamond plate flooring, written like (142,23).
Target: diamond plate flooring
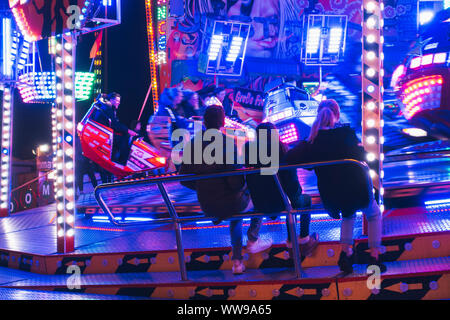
(102,237)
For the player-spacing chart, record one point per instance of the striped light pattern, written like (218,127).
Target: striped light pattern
(98,60)
(65,144)
(372,91)
(152,53)
(421,94)
(5,184)
(22,23)
(35,87)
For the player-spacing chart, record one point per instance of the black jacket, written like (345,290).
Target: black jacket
(264,191)
(341,187)
(105,114)
(220,197)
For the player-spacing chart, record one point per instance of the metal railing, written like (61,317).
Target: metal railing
(176,220)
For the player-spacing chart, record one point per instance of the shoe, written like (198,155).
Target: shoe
(345,262)
(259,245)
(238,267)
(377,262)
(308,248)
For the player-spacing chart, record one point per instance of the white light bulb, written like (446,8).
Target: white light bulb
(370,6)
(370,140)
(370,72)
(69,218)
(370,157)
(370,55)
(370,38)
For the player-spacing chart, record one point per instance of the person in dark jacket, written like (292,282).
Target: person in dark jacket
(106,114)
(170,106)
(190,103)
(265,194)
(221,94)
(343,188)
(223,197)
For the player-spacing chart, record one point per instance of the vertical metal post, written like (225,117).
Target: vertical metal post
(6,147)
(372,92)
(177,227)
(65,125)
(291,224)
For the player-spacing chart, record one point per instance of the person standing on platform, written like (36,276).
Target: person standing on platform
(343,188)
(224,197)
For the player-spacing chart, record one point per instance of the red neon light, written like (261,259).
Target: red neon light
(419,94)
(152,54)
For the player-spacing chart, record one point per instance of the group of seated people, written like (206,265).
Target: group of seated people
(180,104)
(343,188)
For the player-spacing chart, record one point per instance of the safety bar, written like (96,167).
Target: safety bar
(176,220)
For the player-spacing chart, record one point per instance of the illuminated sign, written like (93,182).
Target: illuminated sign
(161,18)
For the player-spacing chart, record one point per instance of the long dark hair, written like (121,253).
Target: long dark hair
(271,128)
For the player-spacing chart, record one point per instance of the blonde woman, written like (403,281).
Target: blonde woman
(343,188)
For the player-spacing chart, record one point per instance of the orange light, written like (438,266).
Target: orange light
(161,160)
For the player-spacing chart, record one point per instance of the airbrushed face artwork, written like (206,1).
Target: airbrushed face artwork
(265,26)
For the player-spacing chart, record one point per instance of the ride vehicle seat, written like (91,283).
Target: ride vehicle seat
(105,114)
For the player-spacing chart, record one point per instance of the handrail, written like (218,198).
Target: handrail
(193,177)
(176,220)
(31,181)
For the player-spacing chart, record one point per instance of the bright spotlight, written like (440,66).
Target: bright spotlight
(425,16)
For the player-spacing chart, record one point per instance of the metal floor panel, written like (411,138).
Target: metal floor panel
(20,294)
(28,219)
(99,237)
(396,268)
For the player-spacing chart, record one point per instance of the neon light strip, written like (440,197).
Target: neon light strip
(152,55)
(437,202)
(7,66)
(6,152)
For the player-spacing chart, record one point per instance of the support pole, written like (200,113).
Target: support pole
(7,112)
(372,92)
(65,125)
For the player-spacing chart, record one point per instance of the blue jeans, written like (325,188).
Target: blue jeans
(236,235)
(374,221)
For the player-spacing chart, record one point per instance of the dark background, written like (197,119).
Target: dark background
(125,70)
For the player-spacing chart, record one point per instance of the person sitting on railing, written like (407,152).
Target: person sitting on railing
(223,197)
(343,188)
(265,193)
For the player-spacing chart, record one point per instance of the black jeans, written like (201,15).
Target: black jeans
(305,221)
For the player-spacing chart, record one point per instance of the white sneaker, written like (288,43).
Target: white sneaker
(238,267)
(259,245)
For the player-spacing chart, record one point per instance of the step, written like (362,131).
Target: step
(20,294)
(409,237)
(410,279)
